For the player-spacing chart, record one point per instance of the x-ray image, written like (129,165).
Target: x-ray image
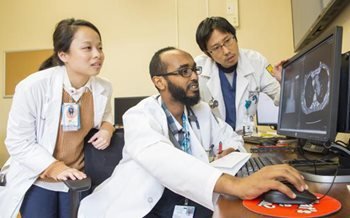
(306,91)
(290,102)
(315,94)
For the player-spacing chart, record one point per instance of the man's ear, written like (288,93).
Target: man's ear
(159,82)
(63,56)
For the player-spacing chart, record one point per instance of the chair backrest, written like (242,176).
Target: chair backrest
(99,164)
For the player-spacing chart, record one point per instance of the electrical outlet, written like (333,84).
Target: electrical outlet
(232,12)
(230,8)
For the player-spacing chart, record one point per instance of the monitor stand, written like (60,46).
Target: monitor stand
(325,170)
(325,173)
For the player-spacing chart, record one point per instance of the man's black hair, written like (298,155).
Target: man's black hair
(156,66)
(206,28)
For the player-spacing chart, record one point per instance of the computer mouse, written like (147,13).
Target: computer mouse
(277,197)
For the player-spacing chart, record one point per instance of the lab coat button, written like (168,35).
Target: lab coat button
(150,200)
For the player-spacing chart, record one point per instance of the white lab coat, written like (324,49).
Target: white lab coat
(32,130)
(252,76)
(151,162)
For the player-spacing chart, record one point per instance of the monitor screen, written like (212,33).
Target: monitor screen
(121,105)
(267,111)
(309,92)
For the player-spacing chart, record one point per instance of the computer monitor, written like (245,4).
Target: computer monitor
(309,105)
(344,95)
(121,105)
(267,112)
(310,90)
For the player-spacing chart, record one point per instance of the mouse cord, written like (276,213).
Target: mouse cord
(330,187)
(315,162)
(311,161)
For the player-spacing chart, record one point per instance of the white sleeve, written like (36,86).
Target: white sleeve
(108,113)
(21,140)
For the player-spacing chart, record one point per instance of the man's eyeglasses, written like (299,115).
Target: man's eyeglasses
(218,48)
(184,72)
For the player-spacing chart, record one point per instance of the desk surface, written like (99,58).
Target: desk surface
(233,207)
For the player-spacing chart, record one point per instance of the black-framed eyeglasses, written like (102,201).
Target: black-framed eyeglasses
(184,72)
(218,48)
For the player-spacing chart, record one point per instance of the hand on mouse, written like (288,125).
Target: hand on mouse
(269,177)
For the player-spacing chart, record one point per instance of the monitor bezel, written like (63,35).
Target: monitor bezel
(334,97)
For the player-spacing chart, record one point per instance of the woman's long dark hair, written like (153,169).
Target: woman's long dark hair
(62,39)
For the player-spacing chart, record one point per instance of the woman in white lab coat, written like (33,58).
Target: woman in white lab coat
(217,39)
(38,124)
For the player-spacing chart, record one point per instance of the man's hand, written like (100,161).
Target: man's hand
(277,70)
(267,178)
(101,139)
(270,177)
(224,153)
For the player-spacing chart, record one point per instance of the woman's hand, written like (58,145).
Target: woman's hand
(70,173)
(101,139)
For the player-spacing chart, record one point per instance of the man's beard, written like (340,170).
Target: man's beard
(179,94)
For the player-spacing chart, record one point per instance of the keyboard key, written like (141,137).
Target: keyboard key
(259,163)
(256,163)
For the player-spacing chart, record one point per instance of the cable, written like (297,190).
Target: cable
(336,147)
(342,143)
(330,187)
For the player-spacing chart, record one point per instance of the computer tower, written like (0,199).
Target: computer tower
(344,95)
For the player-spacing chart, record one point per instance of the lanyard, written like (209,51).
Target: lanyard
(183,133)
(192,117)
(185,141)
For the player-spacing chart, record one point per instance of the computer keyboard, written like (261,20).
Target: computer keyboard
(317,162)
(256,163)
(257,140)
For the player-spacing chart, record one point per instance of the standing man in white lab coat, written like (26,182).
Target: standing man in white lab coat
(165,168)
(232,78)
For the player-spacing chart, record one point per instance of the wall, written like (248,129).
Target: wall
(133,30)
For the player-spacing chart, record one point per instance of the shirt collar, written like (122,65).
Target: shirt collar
(73,92)
(174,125)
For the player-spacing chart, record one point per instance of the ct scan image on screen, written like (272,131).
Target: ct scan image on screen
(307,91)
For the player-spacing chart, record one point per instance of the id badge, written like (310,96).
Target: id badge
(70,117)
(182,211)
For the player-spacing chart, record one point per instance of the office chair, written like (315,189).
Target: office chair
(99,165)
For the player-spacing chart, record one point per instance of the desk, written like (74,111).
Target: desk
(233,207)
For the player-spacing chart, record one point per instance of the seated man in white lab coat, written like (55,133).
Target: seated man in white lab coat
(165,168)
(233,77)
